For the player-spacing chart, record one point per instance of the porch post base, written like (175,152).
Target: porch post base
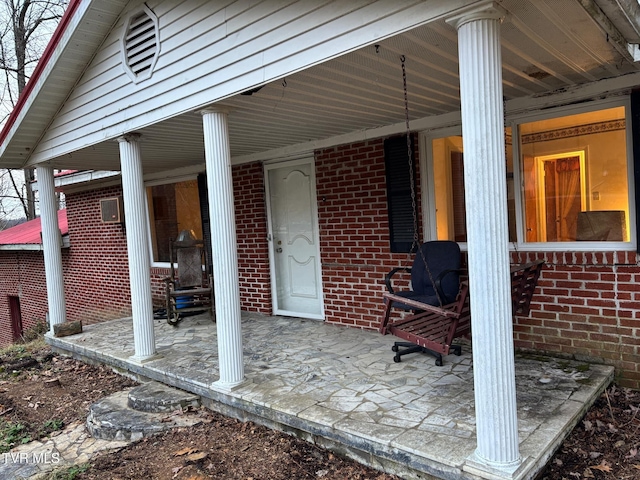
(494,470)
(226,387)
(140,360)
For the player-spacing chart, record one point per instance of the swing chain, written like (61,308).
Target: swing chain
(416,238)
(414,205)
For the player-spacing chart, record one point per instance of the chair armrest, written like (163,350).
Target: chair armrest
(438,280)
(387,277)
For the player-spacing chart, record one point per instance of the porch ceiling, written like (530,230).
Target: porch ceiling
(547,45)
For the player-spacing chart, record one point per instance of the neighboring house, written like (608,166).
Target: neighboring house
(275,131)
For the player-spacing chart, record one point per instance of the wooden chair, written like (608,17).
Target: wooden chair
(431,327)
(438,303)
(191,290)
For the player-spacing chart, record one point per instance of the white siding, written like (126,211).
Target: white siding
(210,51)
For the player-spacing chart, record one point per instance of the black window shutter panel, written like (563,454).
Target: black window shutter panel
(204,216)
(400,206)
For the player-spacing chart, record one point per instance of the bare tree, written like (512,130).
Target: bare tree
(25,29)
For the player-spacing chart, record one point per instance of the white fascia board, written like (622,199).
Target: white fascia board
(82,177)
(78,178)
(25,247)
(615,38)
(32,247)
(58,52)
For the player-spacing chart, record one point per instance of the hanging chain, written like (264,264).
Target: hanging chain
(414,205)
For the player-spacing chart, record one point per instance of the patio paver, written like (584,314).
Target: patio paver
(339,387)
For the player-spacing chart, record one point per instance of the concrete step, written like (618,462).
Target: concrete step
(111,418)
(155,397)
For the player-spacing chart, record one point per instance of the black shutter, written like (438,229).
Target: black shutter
(399,188)
(204,216)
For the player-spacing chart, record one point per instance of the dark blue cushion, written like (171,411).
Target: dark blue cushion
(441,255)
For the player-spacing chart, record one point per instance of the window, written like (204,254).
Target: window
(173,207)
(573,172)
(449,195)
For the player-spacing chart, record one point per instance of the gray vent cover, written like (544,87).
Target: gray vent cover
(140,44)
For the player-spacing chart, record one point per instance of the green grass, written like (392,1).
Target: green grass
(68,473)
(12,434)
(19,350)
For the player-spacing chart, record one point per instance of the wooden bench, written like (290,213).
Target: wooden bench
(432,329)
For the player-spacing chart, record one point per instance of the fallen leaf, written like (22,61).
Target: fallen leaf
(588,426)
(184,451)
(594,455)
(194,457)
(603,467)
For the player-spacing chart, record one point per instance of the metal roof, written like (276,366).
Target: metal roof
(28,235)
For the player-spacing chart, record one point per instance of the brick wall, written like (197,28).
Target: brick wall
(22,276)
(587,306)
(251,232)
(96,272)
(354,231)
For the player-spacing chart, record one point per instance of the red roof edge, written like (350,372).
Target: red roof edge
(44,60)
(29,233)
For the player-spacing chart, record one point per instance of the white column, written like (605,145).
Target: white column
(487,237)
(224,247)
(135,216)
(51,243)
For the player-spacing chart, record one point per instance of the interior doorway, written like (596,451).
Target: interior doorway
(561,195)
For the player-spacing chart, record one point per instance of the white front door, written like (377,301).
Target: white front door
(294,248)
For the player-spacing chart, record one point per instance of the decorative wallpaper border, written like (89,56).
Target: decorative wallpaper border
(589,129)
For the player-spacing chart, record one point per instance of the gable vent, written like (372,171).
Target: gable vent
(140,45)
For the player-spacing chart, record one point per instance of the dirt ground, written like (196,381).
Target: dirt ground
(33,405)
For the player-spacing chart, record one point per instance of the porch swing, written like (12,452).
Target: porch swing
(438,303)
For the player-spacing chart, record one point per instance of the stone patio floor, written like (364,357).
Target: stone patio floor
(340,388)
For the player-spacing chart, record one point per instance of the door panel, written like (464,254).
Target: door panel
(16,318)
(294,246)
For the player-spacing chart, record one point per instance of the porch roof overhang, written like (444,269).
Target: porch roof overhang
(573,48)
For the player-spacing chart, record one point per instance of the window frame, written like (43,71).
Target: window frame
(514,121)
(155,183)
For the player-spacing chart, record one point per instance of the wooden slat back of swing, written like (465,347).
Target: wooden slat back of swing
(435,328)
